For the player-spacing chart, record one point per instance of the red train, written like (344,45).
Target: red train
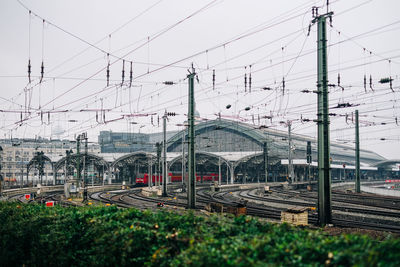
(143,178)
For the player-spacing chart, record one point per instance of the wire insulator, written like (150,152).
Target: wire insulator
(123,72)
(370,83)
(41,72)
(245,79)
(97,117)
(29,70)
(283,86)
(250,80)
(365,83)
(391,85)
(130,76)
(213,79)
(309,30)
(108,70)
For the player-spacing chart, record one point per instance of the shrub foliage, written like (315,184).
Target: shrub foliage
(33,235)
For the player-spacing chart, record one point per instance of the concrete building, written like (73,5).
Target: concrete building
(118,142)
(17,153)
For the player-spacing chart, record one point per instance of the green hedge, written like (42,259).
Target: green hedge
(33,235)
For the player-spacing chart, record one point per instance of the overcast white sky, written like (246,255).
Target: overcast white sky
(161,36)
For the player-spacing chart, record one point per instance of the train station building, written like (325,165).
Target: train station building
(236,151)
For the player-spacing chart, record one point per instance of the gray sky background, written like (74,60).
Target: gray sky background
(161,36)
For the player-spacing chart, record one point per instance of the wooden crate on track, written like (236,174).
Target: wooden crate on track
(295,216)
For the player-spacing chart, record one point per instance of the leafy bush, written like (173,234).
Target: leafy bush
(34,235)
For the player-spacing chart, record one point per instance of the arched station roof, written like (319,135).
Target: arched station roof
(131,158)
(277,142)
(388,163)
(35,161)
(97,160)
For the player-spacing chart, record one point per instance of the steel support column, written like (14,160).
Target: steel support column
(358,190)
(324,172)
(164,191)
(191,152)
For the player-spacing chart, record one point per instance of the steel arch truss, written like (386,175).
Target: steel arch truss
(140,157)
(72,160)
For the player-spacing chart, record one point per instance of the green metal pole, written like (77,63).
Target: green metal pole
(357,154)
(324,172)
(158,145)
(309,159)
(292,178)
(191,153)
(40,159)
(265,150)
(164,191)
(78,161)
(85,169)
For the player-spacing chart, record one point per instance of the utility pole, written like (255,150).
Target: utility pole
(67,161)
(265,154)
(290,166)
(183,158)
(22,174)
(219,171)
(78,159)
(358,189)
(158,146)
(192,176)
(324,172)
(40,165)
(149,172)
(84,136)
(1,176)
(85,193)
(309,159)
(164,192)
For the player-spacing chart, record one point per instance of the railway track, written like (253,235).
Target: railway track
(348,198)
(351,221)
(133,198)
(248,194)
